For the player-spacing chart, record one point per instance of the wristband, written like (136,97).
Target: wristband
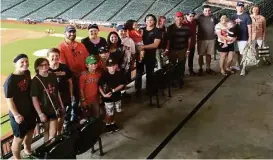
(188,51)
(18,115)
(113,90)
(41,114)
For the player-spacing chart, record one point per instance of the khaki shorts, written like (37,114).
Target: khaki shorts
(205,47)
(177,55)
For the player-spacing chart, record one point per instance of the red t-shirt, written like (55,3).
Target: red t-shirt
(73,55)
(192,26)
(135,35)
(89,85)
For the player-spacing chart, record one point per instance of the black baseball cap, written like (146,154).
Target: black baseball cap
(110,62)
(190,12)
(90,26)
(70,28)
(103,49)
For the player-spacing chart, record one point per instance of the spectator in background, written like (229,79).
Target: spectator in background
(258,25)
(115,48)
(129,52)
(191,22)
(151,39)
(160,52)
(64,78)
(179,40)
(73,54)
(89,88)
(93,42)
(243,28)
(21,111)
(206,39)
(46,98)
(225,44)
(110,85)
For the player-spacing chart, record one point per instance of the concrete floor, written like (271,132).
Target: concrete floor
(236,122)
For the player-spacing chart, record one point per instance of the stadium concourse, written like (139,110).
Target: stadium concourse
(235,122)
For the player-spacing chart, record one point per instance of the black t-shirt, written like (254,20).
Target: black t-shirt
(63,74)
(178,37)
(18,88)
(118,55)
(37,90)
(148,38)
(93,48)
(110,81)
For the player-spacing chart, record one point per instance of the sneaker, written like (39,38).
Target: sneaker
(109,128)
(200,72)
(192,73)
(237,68)
(243,73)
(210,71)
(114,127)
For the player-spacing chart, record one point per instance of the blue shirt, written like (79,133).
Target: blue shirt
(241,28)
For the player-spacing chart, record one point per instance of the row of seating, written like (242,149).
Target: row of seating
(53,9)
(133,10)
(199,10)
(5,4)
(106,10)
(161,7)
(81,9)
(186,5)
(24,8)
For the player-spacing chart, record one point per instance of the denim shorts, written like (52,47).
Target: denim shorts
(20,130)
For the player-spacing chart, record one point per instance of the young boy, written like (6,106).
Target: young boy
(89,87)
(110,85)
(103,57)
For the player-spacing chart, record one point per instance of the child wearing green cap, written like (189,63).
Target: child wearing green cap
(89,87)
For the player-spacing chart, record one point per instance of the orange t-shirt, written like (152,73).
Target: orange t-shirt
(89,85)
(73,55)
(135,35)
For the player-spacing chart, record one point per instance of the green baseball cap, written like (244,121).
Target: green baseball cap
(90,60)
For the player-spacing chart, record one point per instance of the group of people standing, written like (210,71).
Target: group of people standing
(95,71)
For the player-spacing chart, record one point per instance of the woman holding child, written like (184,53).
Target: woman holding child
(225,43)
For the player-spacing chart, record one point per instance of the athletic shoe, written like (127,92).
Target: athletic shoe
(114,127)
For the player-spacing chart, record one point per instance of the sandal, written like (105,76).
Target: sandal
(224,73)
(230,71)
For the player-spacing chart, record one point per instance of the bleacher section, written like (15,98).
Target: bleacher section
(199,10)
(161,7)
(53,9)
(5,4)
(133,10)
(25,8)
(81,9)
(106,10)
(228,12)
(186,5)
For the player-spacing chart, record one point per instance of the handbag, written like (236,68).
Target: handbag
(263,51)
(57,111)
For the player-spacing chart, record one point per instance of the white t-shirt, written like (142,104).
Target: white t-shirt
(129,49)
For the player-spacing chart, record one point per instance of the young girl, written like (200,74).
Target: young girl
(89,87)
(46,98)
(21,111)
(64,78)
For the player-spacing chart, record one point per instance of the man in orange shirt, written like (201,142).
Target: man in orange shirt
(73,54)
(89,87)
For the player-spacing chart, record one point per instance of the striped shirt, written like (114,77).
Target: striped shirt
(178,37)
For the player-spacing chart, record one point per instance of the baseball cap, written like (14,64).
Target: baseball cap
(179,14)
(90,26)
(103,49)
(121,27)
(110,62)
(70,28)
(90,60)
(241,4)
(190,12)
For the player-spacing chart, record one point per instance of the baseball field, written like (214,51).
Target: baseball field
(31,39)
